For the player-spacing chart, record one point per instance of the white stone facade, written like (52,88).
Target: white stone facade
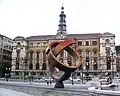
(37,45)
(19,51)
(107,42)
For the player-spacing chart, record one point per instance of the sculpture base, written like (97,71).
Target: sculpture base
(59,84)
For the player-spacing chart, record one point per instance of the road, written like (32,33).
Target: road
(42,89)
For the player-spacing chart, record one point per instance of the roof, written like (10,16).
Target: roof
(18,38)
(5,37)
(41,37)
(108,34)
(85,36)
(77,36)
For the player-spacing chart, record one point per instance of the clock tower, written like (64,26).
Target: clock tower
(62,32)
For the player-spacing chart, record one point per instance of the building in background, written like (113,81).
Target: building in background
(5,55)
(97,51)
(19,55)
(108,52)
(117,49)
(118,57)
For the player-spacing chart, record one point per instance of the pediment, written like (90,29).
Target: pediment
(107,33)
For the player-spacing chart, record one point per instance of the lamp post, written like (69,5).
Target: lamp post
(87,65)
(72,80)
(82,71)
(112,59)
(7,73)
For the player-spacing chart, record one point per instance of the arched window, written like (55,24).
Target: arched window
(44,61)
(31,55)
(18,53)
(44,56)
(31,66)
(37,56)
(87,43)
(107,41)
(94,43)
(107,49)
(37,66)
(80,43)
(18,44)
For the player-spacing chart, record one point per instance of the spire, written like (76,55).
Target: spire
(62,23)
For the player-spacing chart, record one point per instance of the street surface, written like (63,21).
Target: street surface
(42,89)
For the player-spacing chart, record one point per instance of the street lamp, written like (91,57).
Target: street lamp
(112,60)
(7,73)
(87,65)
(82,70)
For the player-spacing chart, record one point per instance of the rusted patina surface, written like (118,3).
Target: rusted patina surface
(53,50)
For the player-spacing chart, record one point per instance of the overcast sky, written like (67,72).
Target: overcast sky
(41,17)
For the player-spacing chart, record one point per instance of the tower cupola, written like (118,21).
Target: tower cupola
(62,23)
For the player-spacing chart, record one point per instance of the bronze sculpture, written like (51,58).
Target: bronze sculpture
(52,51)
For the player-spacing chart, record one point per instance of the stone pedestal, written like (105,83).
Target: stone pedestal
(59,84)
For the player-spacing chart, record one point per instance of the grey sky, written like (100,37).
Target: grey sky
(41,17)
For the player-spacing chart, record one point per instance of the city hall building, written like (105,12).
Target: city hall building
(96,50)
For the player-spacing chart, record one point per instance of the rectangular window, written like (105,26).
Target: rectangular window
(31,66)
(44,56)
(45,44)
(94,43)
(87,43)
(31,56)
(37,66)
(38,44)
(31,44)
(79,43)
(37,56)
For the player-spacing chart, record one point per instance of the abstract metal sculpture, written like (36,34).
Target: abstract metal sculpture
(52,51)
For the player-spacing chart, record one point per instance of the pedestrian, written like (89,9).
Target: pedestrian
(107,82)
(110,80)
(47,82)
(72,82)
(7,79)
(50,82)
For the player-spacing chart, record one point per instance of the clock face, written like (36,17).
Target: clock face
(61,36)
